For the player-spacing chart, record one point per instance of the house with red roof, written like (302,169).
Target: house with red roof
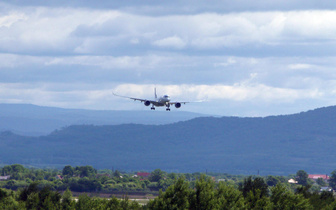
(325,177)
(143,175)
(59,177)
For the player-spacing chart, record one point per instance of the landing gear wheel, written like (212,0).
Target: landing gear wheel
(152,108)
(167,109)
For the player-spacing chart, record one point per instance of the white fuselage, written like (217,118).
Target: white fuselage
(163,101)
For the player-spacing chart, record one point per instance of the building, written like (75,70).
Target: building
(292,181)
(59,177)
(143,175)
(3,178)
(325,177)
(327,189)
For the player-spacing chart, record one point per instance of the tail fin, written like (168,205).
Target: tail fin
(155,93)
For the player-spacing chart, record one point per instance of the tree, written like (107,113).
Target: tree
(321,182)
(68,171)
(156,175)
(203,196)
(12,169)
(255,200)
(175,197)
(3,194)
(283,198)
(332,180)
(321,200)
(302,177)
(304,190)
(272,181)
(228,197)
(7,200)
(26,192)
(117,174)
(113,203)
(67,201)
(84,202)
(254,185)
(165,183)
(86,171)
(255,193)
(49,199)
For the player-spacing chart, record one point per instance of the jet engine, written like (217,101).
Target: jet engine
(147,103)
(178,105)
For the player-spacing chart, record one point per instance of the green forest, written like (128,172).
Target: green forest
(33,188)
(278,145)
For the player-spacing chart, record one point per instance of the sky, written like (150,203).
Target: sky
(240,58)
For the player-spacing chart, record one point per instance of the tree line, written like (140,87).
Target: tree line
(31,188)
(85,179)
(252,193)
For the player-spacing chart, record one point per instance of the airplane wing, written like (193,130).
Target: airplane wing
(137,99)
(185,102)
(176,102)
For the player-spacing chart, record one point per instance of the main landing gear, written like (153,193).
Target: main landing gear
(153,108)
(168,109)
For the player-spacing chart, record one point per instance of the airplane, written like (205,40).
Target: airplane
(162,101)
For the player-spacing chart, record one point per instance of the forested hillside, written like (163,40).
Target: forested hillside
(32,120)
(271,145)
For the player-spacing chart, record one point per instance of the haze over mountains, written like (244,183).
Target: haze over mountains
(32,120)
(273,145)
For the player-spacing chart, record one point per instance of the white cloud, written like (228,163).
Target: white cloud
(105,62)
(236,92)
(10,19)
(228,62)
(300,66)
(173,42)
(319,25)
(86,31)
(73,56)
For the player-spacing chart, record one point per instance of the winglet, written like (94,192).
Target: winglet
(115,93)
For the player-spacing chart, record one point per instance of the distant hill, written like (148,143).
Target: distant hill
(35,120)
(273,145)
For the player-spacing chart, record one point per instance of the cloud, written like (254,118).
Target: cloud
(282,72)
(300,66)
(174,42)
(230,61)
(236,92)
(261,54)
(75,30)
(90,96)
(318,25)
(181,7)
(10,19)
(219,99)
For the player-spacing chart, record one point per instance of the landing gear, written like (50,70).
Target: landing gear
(153,108)
(168,105)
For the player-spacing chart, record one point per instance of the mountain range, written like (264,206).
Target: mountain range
(278,145)
(32,120)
